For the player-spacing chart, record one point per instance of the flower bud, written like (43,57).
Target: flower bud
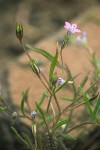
(60,81)
(33,114)
(34,67)
(54,79)
(19,31)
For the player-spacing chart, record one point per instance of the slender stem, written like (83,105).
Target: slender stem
(57,103)
(47,128)
(45,86)
(41,72)
(62,47)
(75,95)
(69,118)
(58,116)
(82,103)
(49,102)
(62,61)
(79,125)
(81,95)
(45,78)
(25,50)
(75,107)
(54,114)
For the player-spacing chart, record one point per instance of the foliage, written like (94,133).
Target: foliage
(53,125)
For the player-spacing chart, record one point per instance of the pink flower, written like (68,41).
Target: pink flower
(71,28)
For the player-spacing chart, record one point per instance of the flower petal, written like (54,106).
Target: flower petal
(74,25)
(77,30)
(67,25)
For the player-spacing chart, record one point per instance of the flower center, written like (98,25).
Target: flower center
(72,28)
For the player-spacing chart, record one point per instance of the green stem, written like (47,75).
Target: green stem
(62,47)
(45,78)
(62,62)
(79,125)
(49,103)
(57,103)
(31,60)
(80,96)
(45,86)
(75,95)
(25,50)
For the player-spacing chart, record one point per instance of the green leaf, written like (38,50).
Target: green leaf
(3,109)
(44,53)
(67,98)
(27,139)
(61,86)
(18,135)
(24,99)
(97,106)
(41,51)
(53,64)
(82,84)
(87,103)
(42,99)
(41,112)
(59,124)
(25,94)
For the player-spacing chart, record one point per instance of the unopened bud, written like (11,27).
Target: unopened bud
(54,79)
(35,68)
(19,31)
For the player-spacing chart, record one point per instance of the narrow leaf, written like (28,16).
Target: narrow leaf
(25,94)
(53,64)
(41,51)
(59,124)
(18,135)
(41,112)
(44,53)
(24,99)
(83,81)
(87,103)
(27,139)
(3,108)
(67,98)
(97,106)
(42,99)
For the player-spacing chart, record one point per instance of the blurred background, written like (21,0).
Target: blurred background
(41,19)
